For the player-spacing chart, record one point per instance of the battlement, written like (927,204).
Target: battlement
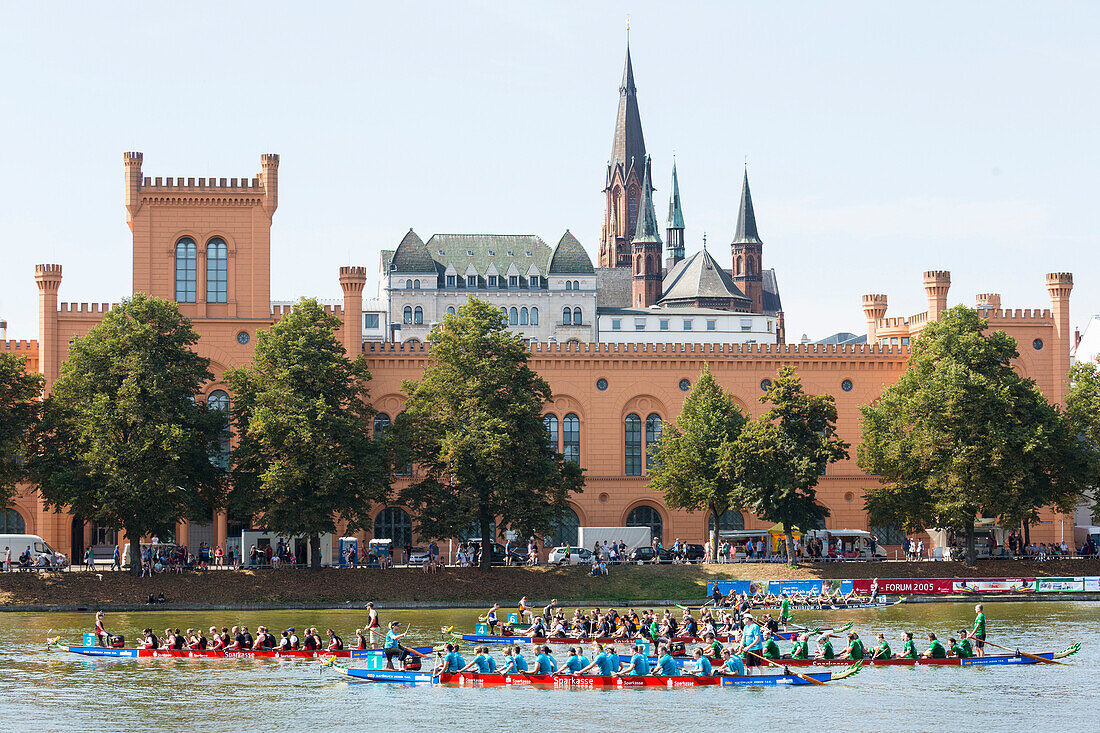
(87,309)
(201,185)
(132,158)
(894,322)
(19,345)
(1017,314)
(269,160)
(47,270)
(988,300)
(658,350)
(353,272)
(937,276)
(1062,278)
(875,299)
(282,309)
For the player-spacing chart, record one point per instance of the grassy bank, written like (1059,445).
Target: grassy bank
(463,585)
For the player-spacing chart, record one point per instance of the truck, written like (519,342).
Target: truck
(587,537)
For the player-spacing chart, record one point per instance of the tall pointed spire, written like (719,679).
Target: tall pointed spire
(674,228)
(645,230)
(629,145)
(675,214)
(746,219)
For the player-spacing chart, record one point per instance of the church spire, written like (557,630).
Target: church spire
(629,146)
(645,230)
(674,228)
(645,249)
(746,219)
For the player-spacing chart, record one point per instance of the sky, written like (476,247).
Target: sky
(881,140)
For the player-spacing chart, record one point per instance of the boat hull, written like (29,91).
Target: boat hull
(575,682)
(992,659)
(486,639)
(96,651)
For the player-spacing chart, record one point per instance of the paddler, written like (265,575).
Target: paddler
(102,638)
(732,665)
(908,649)
(575,663)
(451,663)
(666,666)
(491,618)
(713,647)
(801,648)
(702,664)
(150,640)
(335,643)
(483,662)
(393,648)
(545,663)
(514,663)
(961,648)
(854,650)
(638,666)
(752,643)
(935,648)
(824,648)
(882,651)
(604,661)
(978,633)
(770,649)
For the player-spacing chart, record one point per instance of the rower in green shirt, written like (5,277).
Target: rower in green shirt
(935,648)
(801,649)
(978,634)
(855,647)
(825,649)
(908,650)
(784,610)
(771,649)
(713,648)
(882,651)
(962,648)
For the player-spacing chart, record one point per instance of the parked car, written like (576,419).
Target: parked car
(518,554)
(419,556)
(570,556)
(645,554)
(695,553)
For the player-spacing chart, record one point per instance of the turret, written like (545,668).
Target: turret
(645,250)
(987,301)
(132,165)
(747,251)
(48,279)
(1059,286)
(874,307)
(936,285)
(269,176)
(352,282)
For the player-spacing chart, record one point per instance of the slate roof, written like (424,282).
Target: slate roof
(412,256)
(462,250)
(628,147)
(614,287)
(746,218)
(769,288)
(699,276)
(569,257)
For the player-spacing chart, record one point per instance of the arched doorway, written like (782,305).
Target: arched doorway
(564,530)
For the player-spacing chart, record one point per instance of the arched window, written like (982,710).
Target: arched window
(566,316)
(408,314)
(219,400)
(513,317)
(576,284)
(571,437)
(381,425)
(646,516)
(450,310)
(638,265)
(11,522)
(750,266)
(217,271)
(652,435)
(576,316)
(563,530)
(633,210)
(523,316)
(633,444)
(550,420)
(186,254)
(568,284)
(730,520)
(740,264)
(393,523)
(408,285)
(534,316)
(416,285)
(418,315)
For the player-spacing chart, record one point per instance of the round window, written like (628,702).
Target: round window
(765,385)
(1037,344)
(242,338)
(601,384)
(685,385)
(846,385)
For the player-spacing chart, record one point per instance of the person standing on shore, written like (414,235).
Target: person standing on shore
(978,634)
(7,559)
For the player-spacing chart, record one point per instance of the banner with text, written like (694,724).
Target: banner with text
(725,587)
(809,587)
(904,586)
(994,585)
(1060,585)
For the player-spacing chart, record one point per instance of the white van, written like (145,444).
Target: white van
(19,543)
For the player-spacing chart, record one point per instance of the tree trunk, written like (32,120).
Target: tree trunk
(135,550)
(971,551)
(792,559)
(486,541)
(315,552)
(714,537)
(1027,534)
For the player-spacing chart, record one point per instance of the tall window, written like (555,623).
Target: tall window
(633,444)
(381,425)
(393,523)
(492,281)
(450,310)
(450,281)
(571,437)
(513,317)
(633,211)
(408,284)
(416,285)
(11,522)
(408,314)
(219,400)
(576,284)
(576,316)
(534,316)
(646,516)
(533,281)
(418,315)
(550,420)
(523,316)
(186,255)
(471,281)
(730,520)
(564,530)
(652,435)
(217,277)
(568,284)
(566,316)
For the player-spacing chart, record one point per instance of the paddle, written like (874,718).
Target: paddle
(1036,657)
(786,670)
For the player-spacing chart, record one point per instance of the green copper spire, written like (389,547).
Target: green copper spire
(675,213)
(646,228)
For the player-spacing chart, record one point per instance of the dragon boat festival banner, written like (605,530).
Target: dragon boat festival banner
(809,587)
(725,587)
(1060,585)
(904,586)
(994,585)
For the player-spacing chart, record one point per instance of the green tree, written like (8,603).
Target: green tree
(1083,419)
(962,435)
(124,441)
(688,461)
(473,424)
(304,457)
(780,455)
(20,413)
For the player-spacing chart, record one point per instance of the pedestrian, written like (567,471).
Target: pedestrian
(919,554)
(7,559)
(89,559)
(218,555)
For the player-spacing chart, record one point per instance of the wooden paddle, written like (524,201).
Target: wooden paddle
(1036,657)
(787,670)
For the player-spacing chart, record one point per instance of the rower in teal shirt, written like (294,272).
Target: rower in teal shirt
(573,664)
(666,665)
(544,663)
(702,665)
(640,663)
(733,666)
(607,663)
(483,663)
(455,662)
(520,661)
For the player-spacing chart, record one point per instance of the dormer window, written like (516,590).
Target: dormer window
(450,281)
(528,253)
(533,281)
(440,253)
(513,280)
(492,253)
(510,253)
(492,281)
(471,281)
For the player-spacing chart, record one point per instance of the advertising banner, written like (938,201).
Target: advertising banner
(1092,584)
(994,585)
(1060,585)
(904,586)
(792,587)
(725,587)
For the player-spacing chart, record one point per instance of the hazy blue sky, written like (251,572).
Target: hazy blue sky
(882,141)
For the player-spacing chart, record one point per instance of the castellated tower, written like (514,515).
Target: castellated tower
(48,279)
(874,307)
(1059,286)
(936,285)
(352,282)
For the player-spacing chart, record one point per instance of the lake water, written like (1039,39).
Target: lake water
(58,691)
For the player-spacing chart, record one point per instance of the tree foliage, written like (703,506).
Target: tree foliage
(304,457)
(780,455)
(688,463)
(20,414)
(1083,417)
(124,441)
(962,435)
(473,424)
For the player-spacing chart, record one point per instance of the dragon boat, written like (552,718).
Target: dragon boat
(489,639)
(989,659)
(98,651)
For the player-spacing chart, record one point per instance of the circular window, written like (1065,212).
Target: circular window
(765,385)
(604,497)
(849,496)
(685,385)
(1037,344)
(242,338)
(846,385)
(601,384)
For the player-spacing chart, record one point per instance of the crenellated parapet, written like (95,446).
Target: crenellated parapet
(92,310)
(686,349)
